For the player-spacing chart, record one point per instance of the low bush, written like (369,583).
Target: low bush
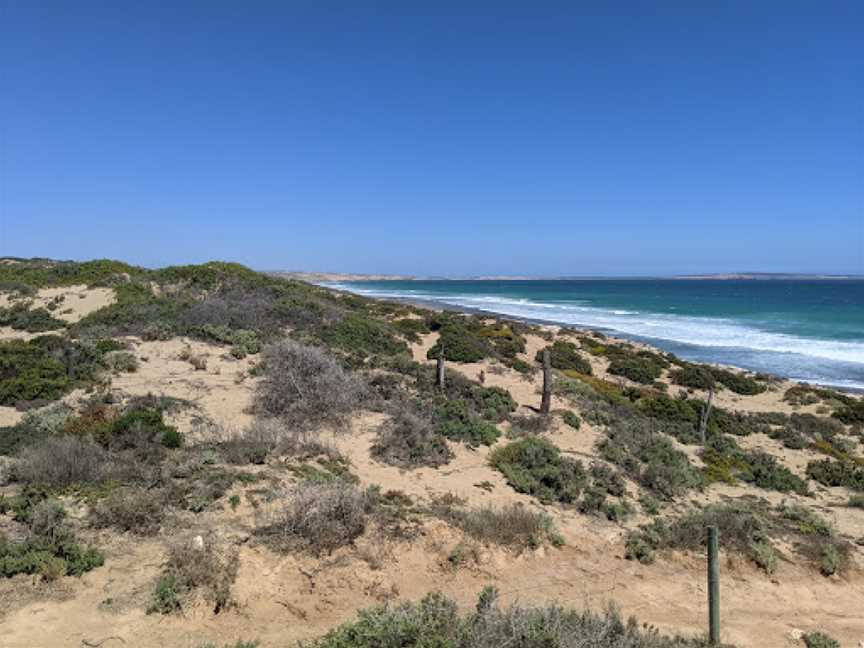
(837,473)
(363,337)
(47,420)
(744,530)
(410,440)
(572,419)
(411,328)
(61,462)
(726,461)
(565,355)
(28,372)
(435,622)
(121,362)
(820,640)
(37,320)
(693,376)
(306,388)
(852,413)
(737,382)
(195,567)
(637,369)
(511,526)
(536,467)
(532,425)
(50,548)
(134,510)
(640,449)
(459,344)
(319,518)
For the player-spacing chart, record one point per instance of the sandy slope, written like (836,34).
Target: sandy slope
(283,598)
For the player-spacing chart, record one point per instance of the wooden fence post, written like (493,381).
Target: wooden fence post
(439,376)
(546,401)
(706,412)
(713,587)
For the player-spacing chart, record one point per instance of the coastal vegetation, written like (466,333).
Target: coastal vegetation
(341,445)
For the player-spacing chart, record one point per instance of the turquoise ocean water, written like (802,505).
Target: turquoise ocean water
(805,330)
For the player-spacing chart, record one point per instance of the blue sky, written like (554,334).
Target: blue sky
(436,138)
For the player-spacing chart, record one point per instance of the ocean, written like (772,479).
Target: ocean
(811,331)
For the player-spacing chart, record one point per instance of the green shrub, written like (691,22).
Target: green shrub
(536,467)
(836,473)
(434,622)
(411,328)
(363,336)
(726,461)
(646,455)
(456,420)
(744,530)
(50,548)
(121,362)
(637,369)
(856,501)
(694,376)
(565,355)
(28,372)
(737,382)
(572,419)
(820,640)
(37,320)
(459,344)
(851,413)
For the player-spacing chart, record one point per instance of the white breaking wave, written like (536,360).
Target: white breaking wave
(697,331)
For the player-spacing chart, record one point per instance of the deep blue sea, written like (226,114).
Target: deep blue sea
(806,330)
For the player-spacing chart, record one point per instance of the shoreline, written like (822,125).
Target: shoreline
(609,333)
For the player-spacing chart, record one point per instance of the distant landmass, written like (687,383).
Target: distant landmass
(729,276)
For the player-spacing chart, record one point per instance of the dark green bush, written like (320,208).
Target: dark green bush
(536,467)
(572,419)
(565,355)
(458,420)
(411,328)
(820,640)
(694,376)
(28,372)
(636,368)
(851,413)
(837,473)
(737,382)
(459,344)
(37,320)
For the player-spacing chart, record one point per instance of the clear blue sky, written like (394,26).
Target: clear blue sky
(446,138)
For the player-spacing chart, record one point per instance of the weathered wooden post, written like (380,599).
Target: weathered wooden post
(706,412)
(546,401)
(713,587)
(439,376)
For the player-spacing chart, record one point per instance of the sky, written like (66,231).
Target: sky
(446,138)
